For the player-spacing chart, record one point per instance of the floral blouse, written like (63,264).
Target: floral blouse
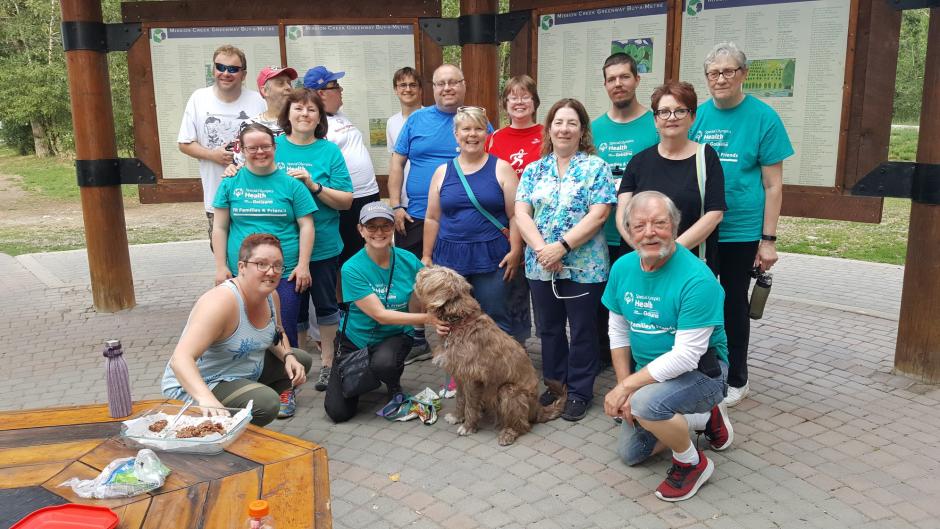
(559,203)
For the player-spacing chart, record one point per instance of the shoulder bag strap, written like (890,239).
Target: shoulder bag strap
(700,177)
(476,204)
(388,289)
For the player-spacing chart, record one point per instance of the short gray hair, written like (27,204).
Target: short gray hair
(726,49)
(640,199)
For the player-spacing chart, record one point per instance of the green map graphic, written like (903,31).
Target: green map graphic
(770,77)
(640,49)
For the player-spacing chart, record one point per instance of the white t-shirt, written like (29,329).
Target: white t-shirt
(259,119)
(349,140)
(392,130)
(213,123)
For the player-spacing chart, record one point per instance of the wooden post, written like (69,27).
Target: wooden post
(918,347)
(109,263)
(480,65)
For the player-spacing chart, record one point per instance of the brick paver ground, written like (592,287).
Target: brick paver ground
(830,437)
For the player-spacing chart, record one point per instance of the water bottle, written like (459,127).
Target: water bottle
(258,515)
(760,292)
(119,385)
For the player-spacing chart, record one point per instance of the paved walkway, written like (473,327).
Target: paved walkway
(830,438)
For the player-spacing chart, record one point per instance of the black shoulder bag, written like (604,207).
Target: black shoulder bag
(355,374)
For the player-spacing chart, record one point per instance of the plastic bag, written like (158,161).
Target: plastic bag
(123,478)
(423,406)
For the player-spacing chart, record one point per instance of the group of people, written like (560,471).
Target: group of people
(620,226)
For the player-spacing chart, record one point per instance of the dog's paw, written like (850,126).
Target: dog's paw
(464,430)
(453,419)
(507,437)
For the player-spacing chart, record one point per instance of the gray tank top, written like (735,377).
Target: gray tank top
(240,356)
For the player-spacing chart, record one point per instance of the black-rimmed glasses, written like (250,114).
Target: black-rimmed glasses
(264,267)
(727,73)
(665,113)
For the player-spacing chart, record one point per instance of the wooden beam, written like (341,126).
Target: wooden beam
(480,64)
(179,10)
(918,346)
(109,263)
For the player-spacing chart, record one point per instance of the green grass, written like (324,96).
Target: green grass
(903,145)
(52,178)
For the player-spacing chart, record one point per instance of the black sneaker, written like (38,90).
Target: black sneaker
(575,409)
(547,398)
(323,379)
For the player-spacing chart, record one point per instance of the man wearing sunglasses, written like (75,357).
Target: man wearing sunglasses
(666,312)
(212,119)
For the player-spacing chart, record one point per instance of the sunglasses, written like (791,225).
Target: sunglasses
(227,68)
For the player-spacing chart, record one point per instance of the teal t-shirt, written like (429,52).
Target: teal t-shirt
(683,294)
(361,277)
(324,161)
(746,137)
(264,204)
(616,143)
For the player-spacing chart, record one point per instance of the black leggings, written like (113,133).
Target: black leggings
(387,360)
(735,262)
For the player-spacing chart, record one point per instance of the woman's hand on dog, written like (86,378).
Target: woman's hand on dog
(511,264)
(426,261)
(442,328)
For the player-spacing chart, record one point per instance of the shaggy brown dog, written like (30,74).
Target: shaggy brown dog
(493,371)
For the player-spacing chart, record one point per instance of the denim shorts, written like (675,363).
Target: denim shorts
(690,392)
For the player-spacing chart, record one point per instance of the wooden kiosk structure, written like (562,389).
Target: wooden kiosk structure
(860,137)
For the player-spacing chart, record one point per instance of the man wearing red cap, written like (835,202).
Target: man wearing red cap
(212,119)
(275,84)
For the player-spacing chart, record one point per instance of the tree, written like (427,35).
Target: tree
(912,55)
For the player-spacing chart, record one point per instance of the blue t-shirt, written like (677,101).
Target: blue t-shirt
(746,138)
(681,295)
(324,161)
(264,204)
(616,144)
(361,277)
(427,140)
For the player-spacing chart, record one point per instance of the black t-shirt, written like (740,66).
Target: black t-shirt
(649,171)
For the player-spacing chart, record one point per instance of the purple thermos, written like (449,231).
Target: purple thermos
(119,385)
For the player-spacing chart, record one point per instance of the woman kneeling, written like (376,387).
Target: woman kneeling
(233,348)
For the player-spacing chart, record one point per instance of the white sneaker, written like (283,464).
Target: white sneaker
(736,395)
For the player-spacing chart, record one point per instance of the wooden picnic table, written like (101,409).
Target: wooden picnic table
(39,449)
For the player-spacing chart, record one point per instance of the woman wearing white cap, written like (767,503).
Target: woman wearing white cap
(378,282)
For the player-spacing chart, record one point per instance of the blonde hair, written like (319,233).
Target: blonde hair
(476,115)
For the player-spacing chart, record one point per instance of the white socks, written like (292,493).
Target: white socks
(697,421)
(689,457)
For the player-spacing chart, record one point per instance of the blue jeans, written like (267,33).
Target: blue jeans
(690,392)
(574,363)
(489,290)
(323,292)
(290,307)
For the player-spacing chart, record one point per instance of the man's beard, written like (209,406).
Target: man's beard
(625,104)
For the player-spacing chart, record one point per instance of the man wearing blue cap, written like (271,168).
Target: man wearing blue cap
(348,138)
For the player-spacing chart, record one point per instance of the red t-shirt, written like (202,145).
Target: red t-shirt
(519,147)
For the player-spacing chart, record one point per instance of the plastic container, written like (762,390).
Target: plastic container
(69,515)
(136,431)
(259,515)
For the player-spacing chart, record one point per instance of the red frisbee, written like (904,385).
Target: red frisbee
(71,516)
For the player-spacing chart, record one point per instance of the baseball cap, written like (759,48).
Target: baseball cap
(318,77)
(270,72)
(376,210)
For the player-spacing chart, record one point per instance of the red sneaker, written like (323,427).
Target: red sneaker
(683,480)
(718,429)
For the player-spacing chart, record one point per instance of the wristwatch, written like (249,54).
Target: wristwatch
(319,189)
(765,237)
(565,244)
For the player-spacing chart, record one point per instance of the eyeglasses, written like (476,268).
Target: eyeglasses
(555,288)
(727,74)
(523,99)
(447,84)
(264,267)
(407,86)
(468,109)
(228,68)
(254,149)
(334,86)
(665,113)
(384,227)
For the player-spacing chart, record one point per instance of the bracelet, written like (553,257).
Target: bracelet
(399,207)
(319,190)
(765,237)
(565,244)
